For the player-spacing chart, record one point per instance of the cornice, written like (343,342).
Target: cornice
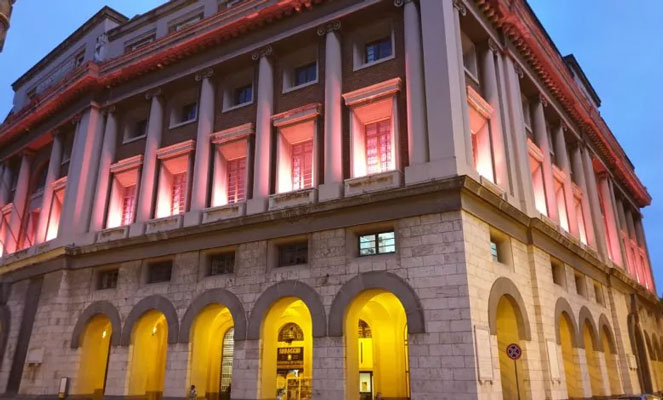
(519,24)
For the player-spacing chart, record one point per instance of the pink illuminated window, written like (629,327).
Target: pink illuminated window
(128,205)
(178,193)
(31,228)
(302,165)
(378,146)
(536,168)
(236,170)
(55,212)
(560,196)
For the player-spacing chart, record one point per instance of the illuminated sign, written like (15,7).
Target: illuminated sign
(290,358)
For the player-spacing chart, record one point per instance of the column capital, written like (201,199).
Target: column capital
(204,74)
(156,92)
(401,3)
(542,99)
(458,5)
(519,71)
(492,46)
(109,109)
(75,118)
(262,52)
(331,27)
(27,153)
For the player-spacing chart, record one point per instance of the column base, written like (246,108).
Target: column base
(330,191)
(256,206)
(437,169)
(192,218)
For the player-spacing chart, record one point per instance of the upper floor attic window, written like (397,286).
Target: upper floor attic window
(79,58)
(138,43)
(300,68)
(243,95)
(185,23)
(306,73)
(373,44)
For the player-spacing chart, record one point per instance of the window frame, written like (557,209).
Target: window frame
(210,262)
(100,276)
(302,246)
(376,236)
(150,270)
(379,31)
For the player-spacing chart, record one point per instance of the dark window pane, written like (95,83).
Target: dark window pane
(493,251)
(223,263)
(243,95)
(305,74)
(377,50)
(293,254)
(189,112)
(107,279)
(159,272)
(139,129)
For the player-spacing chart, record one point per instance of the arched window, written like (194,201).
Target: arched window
(290,332)
(364,330)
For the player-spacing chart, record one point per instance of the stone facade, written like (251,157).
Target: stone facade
(493,215)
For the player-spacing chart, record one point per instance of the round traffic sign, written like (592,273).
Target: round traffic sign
(514,351)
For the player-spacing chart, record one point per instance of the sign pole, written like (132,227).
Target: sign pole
(515,367)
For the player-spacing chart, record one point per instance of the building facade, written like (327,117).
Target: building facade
(304,199)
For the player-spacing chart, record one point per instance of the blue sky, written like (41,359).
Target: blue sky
(617,45)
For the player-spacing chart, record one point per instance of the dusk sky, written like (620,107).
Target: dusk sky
(617,44)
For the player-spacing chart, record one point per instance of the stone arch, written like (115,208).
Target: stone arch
(505,287)
(376,280)
(638,348)
(214,296)
(585,316)
(154,302)
(288,289)
(98,308)
(604,326)
(563,307)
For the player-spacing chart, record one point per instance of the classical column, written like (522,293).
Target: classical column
(541,136)
(565,165)
(149,172)
(200,178)
(104,177)
(518,137)
(445,90)
(418,152)
(611,224)
(265,109)
(54,165)
(83,170)
(492,95)
(332,188)
(581,181)
(593,196)
(19,201)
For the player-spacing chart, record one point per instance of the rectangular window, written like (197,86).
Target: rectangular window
(536,168)
(128,205)
(493,251)
(178,194)
(598,293)
(139,43)
(302,165)
(107,279)
(378,147)
(31,228)
(581,220)
(185,24)
(581,288)
(306,73)
(560,196)
(236,180)
(188,112)
(138,129)
(377,50)
(377,243)
(293,254)
(243,95)
(558,272)
(222,263)
(159,271)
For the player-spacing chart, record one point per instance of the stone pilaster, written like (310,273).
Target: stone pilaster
(200,178)
(265,109)
(103,180)
(19,201)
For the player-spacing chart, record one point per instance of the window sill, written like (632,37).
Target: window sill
(226,211)
(302,86)
(236,106)
(133,139)
(372,63)
(179,124)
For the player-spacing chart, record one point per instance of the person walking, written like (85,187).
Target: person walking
(193,393)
